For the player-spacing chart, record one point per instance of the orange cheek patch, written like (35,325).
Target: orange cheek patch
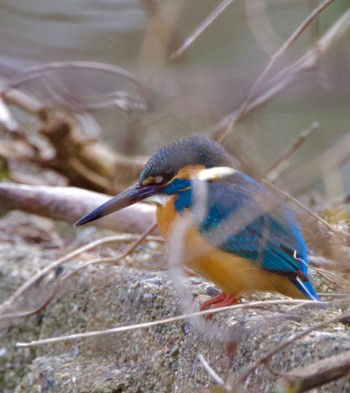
(189,171)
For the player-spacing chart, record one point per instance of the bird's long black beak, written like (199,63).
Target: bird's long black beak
(126,198)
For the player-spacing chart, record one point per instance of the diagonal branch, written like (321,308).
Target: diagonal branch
(277,167)
(264,359)
(286,77)
(39,275)
(286,45)
(318,373)
(201,28)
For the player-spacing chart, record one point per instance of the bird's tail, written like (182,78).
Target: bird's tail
(306,288)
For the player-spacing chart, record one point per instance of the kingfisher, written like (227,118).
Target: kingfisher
(237,235)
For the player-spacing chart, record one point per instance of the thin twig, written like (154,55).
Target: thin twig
(286,45)
(29,313)
(286,77)
(318,373)
(201,28)
(271,173)
(284,344)
(216,377)
(300,204)
(95,261)
(24,101)
(327,162)
(325,273)
(333,295)
(39,275)
(120,329)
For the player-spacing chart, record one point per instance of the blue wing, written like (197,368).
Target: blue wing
(238,222)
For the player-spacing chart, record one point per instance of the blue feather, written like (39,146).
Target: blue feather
(238,223)
(180,188)
(307,289)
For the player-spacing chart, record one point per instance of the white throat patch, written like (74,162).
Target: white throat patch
(215,173)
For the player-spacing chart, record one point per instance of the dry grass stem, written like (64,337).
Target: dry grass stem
(29,313)
(214,375)
(286,45)
(286,343)
(329,161)
(111,239)
(201,28)
(61,94)
(286,77)
(6,117)
(334,279)
(120,329)
(23,101)
(318,373)
(260,25)
(309,211)
(277,167)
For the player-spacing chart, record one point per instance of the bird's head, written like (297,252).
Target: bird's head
(170,170)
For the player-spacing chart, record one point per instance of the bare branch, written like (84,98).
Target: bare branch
(201,28)
(120,329)
(326,162)
(124,92)
(286,45)
(24,101)
(300,204)
(318,373)
(70,203)
(215,376)
(6,117)
(286,77)
(38,276)
(285,343)
(275,170)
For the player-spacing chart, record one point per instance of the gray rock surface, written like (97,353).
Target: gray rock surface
(158,359)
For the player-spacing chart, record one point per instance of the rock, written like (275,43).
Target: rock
(162,358)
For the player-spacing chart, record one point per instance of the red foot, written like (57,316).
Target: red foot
(220,300)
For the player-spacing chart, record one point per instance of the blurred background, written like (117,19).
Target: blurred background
(169,96)
(88,90)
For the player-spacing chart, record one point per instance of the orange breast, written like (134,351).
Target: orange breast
(231,273)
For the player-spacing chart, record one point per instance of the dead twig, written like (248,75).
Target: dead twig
(285,78)
(120,329)
(326,274)
(286,45)
(318,373)
(129,99)
(6,117)
(38,276)
(276,168)
(70,203)
(330,160)
(264,359)
(309,211)
(201,28)
(24,101)
(30,313)
(214,375)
